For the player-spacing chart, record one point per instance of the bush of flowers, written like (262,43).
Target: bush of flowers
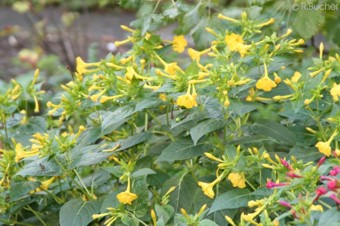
(244,132)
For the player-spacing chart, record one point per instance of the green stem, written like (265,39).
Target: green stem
(82,183)
(35,214)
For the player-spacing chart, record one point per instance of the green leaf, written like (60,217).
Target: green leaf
(242,108)
(301,154)
(206,127)
(142,172)
(40,167)
(330,217)
(207,222)
(274,130)
(92,154)
(77,212)
(19,190)
(183,195)
(147,103)
(308,22)
(231,200)
(113,118)
(183,149)
(164,213)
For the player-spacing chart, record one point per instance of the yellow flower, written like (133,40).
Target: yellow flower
(196,55)
(171,68)
(237,179)
(296,77)
(335,92)
(316,208)
(179,43)
(188,100)
(20,153)
(82,66)
(207,189)
(235,44)
(266,84)
(127,197)
(324,148)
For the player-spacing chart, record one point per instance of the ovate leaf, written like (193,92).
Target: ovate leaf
(274,130)
(307,22)
(231,200)
(77,212)
(206,127)
(183,149)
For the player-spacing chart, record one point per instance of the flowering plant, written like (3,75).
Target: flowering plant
(244,132)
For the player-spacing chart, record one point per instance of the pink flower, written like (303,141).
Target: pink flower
(286,164)
(335,171)
(321,191)
(335,198)
(271,184)
(293,175)
(285,204)
(331,185)
(321,161)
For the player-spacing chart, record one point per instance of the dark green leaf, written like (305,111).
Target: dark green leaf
(41,167)
(142,172)
(183,195)
(274,130)
(242,108)
(206,127)
(19,190)
(183,149)
(113,118)
(77,212)
(231,200)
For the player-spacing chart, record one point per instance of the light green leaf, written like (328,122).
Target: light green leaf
(183,149)
(330,217)
(77,212)
(308,22)
(207,222)
(206,127)
(231,200)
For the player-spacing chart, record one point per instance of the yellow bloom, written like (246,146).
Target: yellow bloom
(266,84)
(237,179)
(127,197)
(196,55)
(296,77)
(316,208)
(335,92)
(82,66)
(20,153)
(188,100)
(179,43)
(324,148)
(45,184)
(207,189)
(171,68)
(235,43)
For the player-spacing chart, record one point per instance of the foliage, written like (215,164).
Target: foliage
(232,134)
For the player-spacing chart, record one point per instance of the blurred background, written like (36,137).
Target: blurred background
(49,34)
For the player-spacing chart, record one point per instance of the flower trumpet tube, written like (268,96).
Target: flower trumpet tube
(127,197)
(21,154)
(324,147)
